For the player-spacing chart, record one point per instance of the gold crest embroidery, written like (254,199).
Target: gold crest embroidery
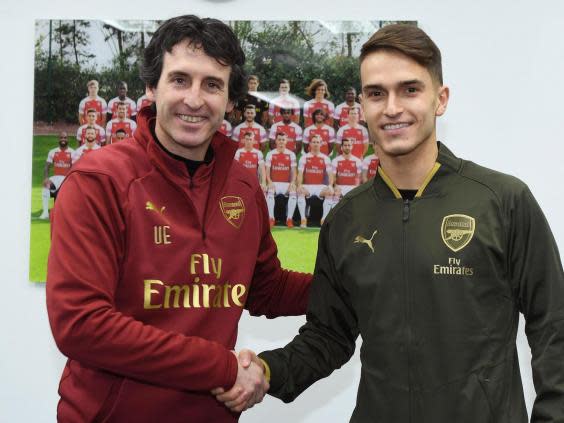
(233,209)
(457,230)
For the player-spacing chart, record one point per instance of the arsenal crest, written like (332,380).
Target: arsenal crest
(457,230)
(233,210)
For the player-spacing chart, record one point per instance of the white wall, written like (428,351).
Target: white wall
(504,62)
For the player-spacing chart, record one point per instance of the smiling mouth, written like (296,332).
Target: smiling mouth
(191,119)
(393,126)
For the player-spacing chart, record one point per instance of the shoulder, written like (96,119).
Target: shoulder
(122,162)
(500,184)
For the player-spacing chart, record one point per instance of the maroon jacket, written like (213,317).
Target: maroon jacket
(147,305)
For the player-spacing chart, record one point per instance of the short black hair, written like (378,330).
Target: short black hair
(215,38)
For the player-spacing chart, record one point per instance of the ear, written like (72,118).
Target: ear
(229,107)
(443,96)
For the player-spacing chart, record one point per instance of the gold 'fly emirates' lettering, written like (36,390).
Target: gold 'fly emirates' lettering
(158,295)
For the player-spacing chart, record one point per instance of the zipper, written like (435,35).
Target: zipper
(405,219)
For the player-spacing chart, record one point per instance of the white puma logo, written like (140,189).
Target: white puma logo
(359,239)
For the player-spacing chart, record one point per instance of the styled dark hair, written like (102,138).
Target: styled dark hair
(317,112)
(215,38)
(410,41)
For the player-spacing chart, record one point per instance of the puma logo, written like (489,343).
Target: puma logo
(150,206)
(359,239)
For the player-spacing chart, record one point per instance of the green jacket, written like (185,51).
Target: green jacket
(434,286)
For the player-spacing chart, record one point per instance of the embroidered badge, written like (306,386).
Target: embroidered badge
(233,209)
(457,230)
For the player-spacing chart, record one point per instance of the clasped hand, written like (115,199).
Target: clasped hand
(249,388)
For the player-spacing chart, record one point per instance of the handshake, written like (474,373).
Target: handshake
(249,388)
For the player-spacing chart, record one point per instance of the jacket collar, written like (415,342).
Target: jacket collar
(446,163)
(175,170)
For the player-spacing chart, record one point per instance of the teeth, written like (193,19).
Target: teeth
(191,119)
(396,125)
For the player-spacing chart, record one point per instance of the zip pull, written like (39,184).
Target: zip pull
(405,216)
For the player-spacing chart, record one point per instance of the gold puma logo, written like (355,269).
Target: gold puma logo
(150,206)
(359,239)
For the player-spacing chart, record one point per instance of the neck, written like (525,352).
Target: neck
(350,103)
(409,171)
(319,99)
(197,153)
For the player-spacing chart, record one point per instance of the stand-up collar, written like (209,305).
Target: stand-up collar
(446,163)
(175,170)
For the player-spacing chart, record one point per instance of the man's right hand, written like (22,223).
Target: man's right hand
(250,386)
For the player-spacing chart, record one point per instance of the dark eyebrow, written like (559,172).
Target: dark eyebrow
(412,82)
(399,84)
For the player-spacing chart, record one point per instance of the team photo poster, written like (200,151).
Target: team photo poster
(86,76)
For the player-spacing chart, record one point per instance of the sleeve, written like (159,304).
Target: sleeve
(307,112)
(263,137)
(271,109)
(133,126)
(298,132)
(331,107)
(50,156)
(339,138)
(337,112)
(359,166)
(110,106)
(292,159)
(366,163)
(274,291)
(268,160)
(81,299)
(306,135)
(331,135)
(237,155)
(102,135)
(79,133)
(365,138)
(235,135)
(260,157)
(328,165)
(537,277)
(81,106)
(104,105)
(301,163)
(272,133)
(325,342)
(133,107)
(109,128)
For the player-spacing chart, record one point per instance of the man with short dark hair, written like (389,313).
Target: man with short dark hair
(326,133)
(170,241)
(121,121)
(431,262)
(292,130)
(341,112)
(122,98)
(88,147)
(91,118)
(252,97)
(250,125)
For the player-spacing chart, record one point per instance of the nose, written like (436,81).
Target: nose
(193,97)
(393,106)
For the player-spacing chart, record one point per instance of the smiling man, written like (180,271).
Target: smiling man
(147,310)
(431,262)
